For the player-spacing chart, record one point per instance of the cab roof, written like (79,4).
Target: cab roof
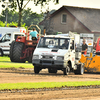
(58,36)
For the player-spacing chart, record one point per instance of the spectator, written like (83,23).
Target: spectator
(84,47)
(34,34)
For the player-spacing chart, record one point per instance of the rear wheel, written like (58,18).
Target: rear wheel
(80,69)
(17,52)
(11,50)
(76,72)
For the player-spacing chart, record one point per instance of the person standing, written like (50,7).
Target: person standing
(84,47)
(34,34)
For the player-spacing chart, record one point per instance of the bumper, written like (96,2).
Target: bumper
(48,63)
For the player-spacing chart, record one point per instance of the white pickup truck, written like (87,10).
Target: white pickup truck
(6,40)
(50,53)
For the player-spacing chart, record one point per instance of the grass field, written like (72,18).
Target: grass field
(6,63)
(36,85)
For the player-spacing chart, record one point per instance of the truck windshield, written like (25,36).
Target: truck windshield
(59,43)
(6,37)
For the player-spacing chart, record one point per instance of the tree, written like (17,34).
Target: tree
(21,6)
(12,16)
(32,18)
(13,24)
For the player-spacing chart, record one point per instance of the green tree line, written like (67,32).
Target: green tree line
(14,4)
(28,17)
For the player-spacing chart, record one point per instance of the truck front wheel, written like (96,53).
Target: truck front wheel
(66,70)
(36,69)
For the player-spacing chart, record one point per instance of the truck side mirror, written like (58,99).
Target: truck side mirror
(72,47)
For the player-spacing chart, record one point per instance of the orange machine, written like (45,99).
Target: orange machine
(92,64)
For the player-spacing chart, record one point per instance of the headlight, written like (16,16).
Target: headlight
(35,57)
(60,58)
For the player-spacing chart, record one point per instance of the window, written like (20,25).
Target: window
(64,18)
(6,37)
(51,42)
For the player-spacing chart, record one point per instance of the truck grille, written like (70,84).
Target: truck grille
(47,60)
(47,57)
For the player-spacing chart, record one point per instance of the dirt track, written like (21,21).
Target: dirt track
(23,75)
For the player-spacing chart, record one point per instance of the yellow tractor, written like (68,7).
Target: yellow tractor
(92,63)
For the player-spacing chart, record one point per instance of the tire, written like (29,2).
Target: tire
(66,70)
(80,69)
(17,49)
(36,69)
(11,51)
(76,72)
(51,70)
(1,52)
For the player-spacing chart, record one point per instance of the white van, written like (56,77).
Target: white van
(4,30)
(6,40)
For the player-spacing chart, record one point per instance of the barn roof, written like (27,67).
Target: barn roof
(89,17)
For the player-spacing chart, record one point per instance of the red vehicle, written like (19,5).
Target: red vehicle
(98,46)
(22,49)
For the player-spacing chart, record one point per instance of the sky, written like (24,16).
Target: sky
(51,6)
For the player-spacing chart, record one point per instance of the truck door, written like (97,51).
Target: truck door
(4,43)
(72,53)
